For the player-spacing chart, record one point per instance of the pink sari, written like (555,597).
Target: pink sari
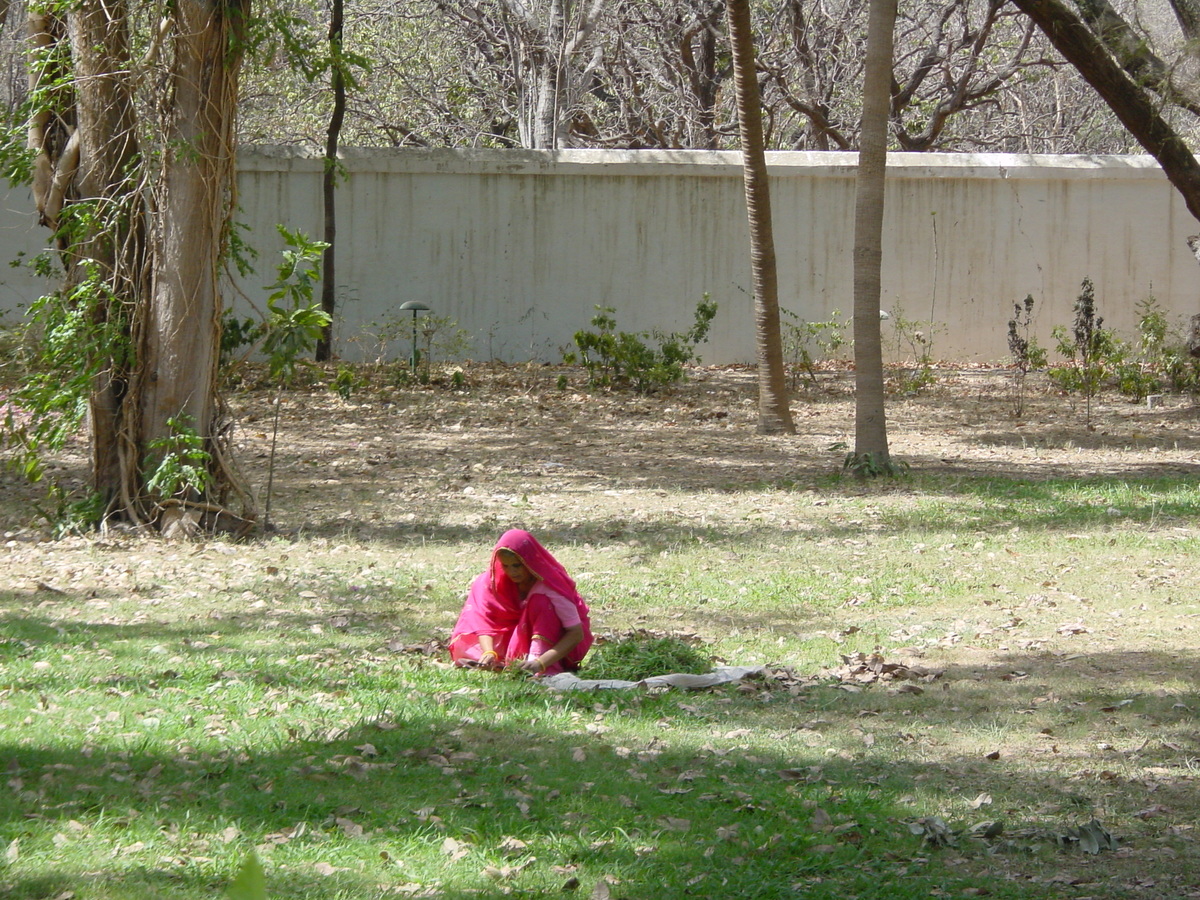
(519,625)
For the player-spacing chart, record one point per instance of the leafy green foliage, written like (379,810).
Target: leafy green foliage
(251,881)
(180,462)
(346,382)
(71,339)
(912,341)
(291,63)
(239,251)
(801,337)
(237,334)
(16,157)
(75,335)
(295,322)
(620,359)
(68,513)
(295,325)
(644,656)
(1159,359)
(279,34)
(1089,348)
(869,465)
(13,351)
(1097,357)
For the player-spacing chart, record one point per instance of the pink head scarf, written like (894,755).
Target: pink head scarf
(537,559)
(494,604)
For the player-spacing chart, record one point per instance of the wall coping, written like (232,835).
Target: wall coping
(699,163)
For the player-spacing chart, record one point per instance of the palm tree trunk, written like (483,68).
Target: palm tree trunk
(870,423)
(774,414)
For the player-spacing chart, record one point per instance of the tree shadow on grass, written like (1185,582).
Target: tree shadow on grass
(478,762)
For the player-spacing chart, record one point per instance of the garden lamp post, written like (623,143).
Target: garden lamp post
(416,306)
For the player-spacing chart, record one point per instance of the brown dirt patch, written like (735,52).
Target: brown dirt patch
(515,447)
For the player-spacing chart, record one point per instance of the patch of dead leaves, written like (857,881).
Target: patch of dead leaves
(871,668)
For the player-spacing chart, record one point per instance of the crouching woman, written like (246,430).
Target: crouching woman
(523,611)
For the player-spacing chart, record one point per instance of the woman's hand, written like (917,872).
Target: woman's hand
(559,651)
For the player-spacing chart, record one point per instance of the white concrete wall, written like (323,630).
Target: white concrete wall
(519,246)
(21,239)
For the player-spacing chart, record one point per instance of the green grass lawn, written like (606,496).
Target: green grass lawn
(165,709)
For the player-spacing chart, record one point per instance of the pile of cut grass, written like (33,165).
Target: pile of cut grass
(634,657)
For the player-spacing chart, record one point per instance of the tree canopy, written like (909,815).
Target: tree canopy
(968,75)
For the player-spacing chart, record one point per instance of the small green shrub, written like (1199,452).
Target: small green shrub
(237,334)
(437,337)
(14,354)
(75,336)
(800,338)
(620,359)
(1027,354)
(867,465)
(1160,360)
(912,342)
(180,462)
(68,512)
(636,657)
(1157,360)
(347,382)
(1092,351)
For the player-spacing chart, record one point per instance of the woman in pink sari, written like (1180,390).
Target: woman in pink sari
(523,610)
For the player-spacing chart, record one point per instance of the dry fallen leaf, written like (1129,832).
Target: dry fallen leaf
(673,824)
(821,820)
(512,846)
(349,828)
(1152,812)
(455,849)
(981,800)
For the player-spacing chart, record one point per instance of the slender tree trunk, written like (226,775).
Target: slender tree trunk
(700,54)
(1136,109)
(870,431)
(52,134)
(337,79)
(107,158)
(546,129)
(178,339)
(144,261)
(774,414)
